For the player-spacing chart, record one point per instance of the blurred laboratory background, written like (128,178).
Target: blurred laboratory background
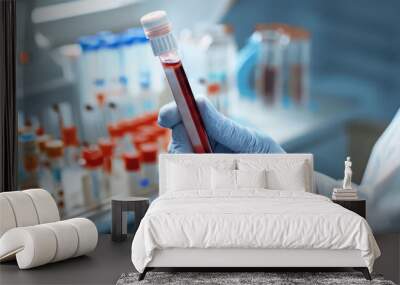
(317,76)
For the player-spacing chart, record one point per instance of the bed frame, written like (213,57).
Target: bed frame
(260,259)
(246,259)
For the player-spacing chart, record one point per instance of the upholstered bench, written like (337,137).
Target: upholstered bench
(31,231)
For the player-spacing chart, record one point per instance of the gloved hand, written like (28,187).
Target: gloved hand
(226,136)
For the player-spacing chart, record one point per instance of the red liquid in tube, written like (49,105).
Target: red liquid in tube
(159,31)
(187,106)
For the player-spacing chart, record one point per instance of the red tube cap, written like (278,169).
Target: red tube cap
(127,126)
(39,131)
(69,136)
(149,152)
(106,147)
(139,139)
(131,161)
(93,157)
(115,130)
(54,148)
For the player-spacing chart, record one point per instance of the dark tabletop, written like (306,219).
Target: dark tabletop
(102,266)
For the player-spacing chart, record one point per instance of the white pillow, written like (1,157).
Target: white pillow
(223,179)
(285,174)
(226,179)
(251,178)
(188,175)
(182,177)
(291,179)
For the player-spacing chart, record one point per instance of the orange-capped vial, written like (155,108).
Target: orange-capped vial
(69,136)
(31,163)
(298,60)
(148,157)
(115,131)
(133,174)
(121,142)
(214,94)
(70,140)
(93,186)
(131,161)
(39,131)
(140,139)
(148,153)
(42,140)
(213,89)
(149,131)
(134,124)
(101,99)
(54,148)
(126,126)
(93,157)
(156,134)
(55,151)
(106,147)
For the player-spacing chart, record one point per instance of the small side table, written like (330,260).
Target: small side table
(120,208)
(357,206)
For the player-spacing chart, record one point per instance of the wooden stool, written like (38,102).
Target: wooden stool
(120,208)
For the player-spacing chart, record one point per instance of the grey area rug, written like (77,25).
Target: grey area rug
(228,278)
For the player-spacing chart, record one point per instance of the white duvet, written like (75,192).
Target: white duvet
(250,219)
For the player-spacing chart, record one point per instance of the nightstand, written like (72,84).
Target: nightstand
(357,206)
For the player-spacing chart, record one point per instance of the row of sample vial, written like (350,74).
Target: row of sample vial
(118,79)
(116,64)
(82,176)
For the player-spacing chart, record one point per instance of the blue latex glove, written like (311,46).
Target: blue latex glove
(226,136)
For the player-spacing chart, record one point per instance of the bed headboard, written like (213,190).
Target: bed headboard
(203,158)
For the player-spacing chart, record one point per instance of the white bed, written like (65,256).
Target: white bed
(248,227)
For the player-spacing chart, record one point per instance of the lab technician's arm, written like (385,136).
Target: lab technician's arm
(227,136)
(381,182)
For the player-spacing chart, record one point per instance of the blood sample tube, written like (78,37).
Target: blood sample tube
(158,29)
(55,152)
(92,179)
(107,149)
(71,145)
(132,168)
(148,155)
(116,133)
(30,158)
(299,65)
